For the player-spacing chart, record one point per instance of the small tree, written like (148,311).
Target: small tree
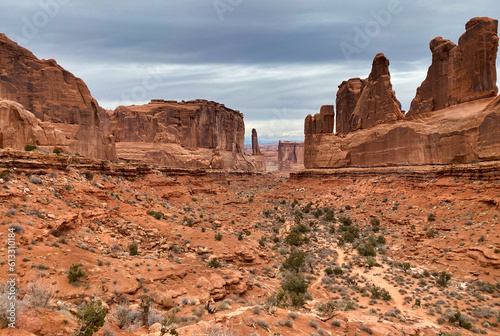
(90,318)
(133,249)
(295,261)
(443,279)
(75,273)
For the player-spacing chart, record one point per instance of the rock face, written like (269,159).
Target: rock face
(363,104)
(462,133)
(55,96)
(290,156)
(347,99)
(193,134)
(460,73)
(459,91)
(321,122)
(255,143)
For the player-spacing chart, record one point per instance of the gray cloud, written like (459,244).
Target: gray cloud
(275,61)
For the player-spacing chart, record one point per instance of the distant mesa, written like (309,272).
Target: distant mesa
(454,117)
(290,156)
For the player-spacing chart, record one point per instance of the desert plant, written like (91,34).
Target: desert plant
(295,261)
(90,318)
(57,150)
(88,175)
(218,236)
(75,273)
(214,263)
(443,279)
(40,293)
(133,249)
(29,148)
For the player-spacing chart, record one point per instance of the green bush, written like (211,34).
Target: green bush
(133,249)
(156,214)
(367,250)
(218,236)
(462,321)
(214,263)
(57,150)
(443,279)
(375,221)
(295,286)
(90,318)
(29,148)
(295,238)
(75,273)
(88,175)
(345,220)
(295,261)
(5,174)
(328,271)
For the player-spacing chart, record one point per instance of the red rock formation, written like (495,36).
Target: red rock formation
(347,98)
(193,134)
(54,95)
(321,122)
(290,156)
(255,143)
(363,104)
(460,73)
(459,134)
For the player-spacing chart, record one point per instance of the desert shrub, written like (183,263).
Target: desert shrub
(5,174)
(218,236)
(57,150)
(285,323)
(380,293)
(432,233)
(462,320)
(366,329)
(375,221)
(220,331)
(431,217)
(263,324)
(329,215)
(293,315)
(256,310)
(155,214)
(88,175)
(133,249)
(29,148)
(90,318)
(17,228)
(443,279)
(345,221)
(327,308)
(367,250)
(295,261)
(307,208)
(295,238)
(328,271)
(75,273)
(313,324)
(214,263)
(349,234)
(40,293)
(295,286)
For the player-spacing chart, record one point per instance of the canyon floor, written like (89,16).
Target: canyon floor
(380,252)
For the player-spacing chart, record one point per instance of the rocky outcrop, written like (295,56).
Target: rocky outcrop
(460,73)
(321,122)
(193,134)
(257,156)
(347,99)
(55,96)
(290,156)
(462,133)
(363,104)
(255,143)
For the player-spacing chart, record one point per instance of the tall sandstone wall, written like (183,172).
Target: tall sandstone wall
(54,96)
(460,73)
(455,117)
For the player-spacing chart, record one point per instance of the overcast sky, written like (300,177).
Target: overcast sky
(275,61)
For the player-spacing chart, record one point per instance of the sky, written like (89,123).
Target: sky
(275,61)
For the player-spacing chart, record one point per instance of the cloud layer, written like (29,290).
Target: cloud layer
(274,61)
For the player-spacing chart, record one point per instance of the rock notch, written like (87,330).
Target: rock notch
(460,73)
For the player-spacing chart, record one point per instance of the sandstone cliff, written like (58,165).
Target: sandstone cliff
(460,73)
(462,133)
(257,156)
(53,95)
(321,122)
(290,156)
(193,134)
(362,104)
